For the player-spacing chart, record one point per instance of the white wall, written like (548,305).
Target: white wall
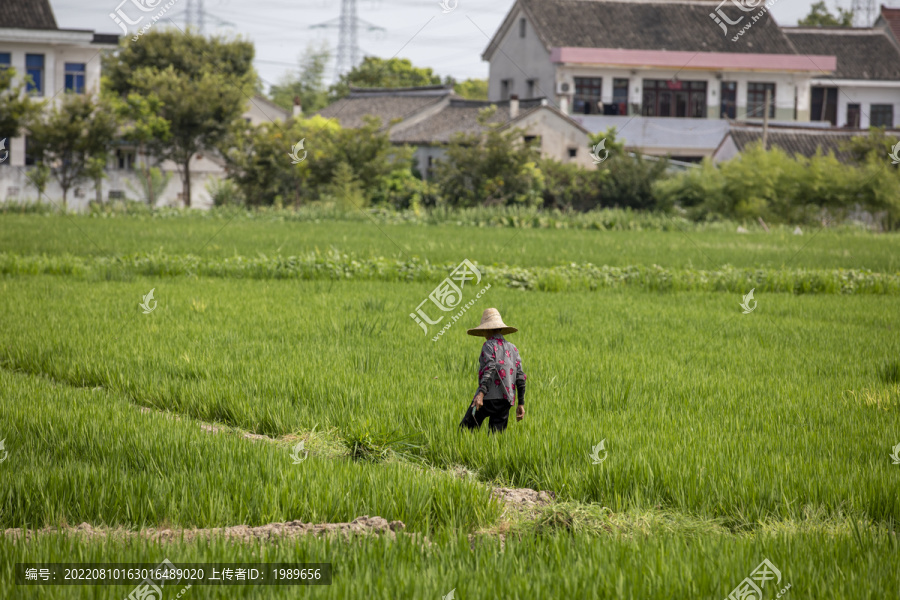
(515,55)
(55,59)
(557,136)
(866,96)
(14,186)
(785,85)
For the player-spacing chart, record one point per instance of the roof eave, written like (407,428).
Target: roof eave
(507,24)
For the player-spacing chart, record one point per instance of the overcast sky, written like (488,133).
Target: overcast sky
(450,43)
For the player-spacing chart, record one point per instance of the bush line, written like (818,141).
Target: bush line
(572,277)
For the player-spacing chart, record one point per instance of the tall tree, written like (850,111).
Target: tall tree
(142,125)
(203,86)
(376,72)
(307,83)
(16,107)
(495,167)
(819,16)
(72,138)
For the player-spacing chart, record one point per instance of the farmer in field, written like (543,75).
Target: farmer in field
(500,376)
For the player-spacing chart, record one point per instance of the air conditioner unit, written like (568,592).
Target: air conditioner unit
(563,87)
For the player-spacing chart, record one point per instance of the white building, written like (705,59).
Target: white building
(672,75)
(864,89)
(57,60)
(68,61)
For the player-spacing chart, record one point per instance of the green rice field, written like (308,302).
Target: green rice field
(730,438)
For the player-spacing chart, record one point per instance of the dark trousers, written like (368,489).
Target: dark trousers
(497,409)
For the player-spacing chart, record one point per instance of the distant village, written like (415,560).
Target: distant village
(687,79)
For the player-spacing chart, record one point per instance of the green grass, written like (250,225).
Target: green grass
(659,567)
(732,437)
(705,410)
(151,469)
(220,236)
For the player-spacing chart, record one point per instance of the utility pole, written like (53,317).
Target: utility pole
(195,15)
(348,36)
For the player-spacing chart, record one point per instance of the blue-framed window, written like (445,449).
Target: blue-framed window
(34,68)
(75,77)
(5,60)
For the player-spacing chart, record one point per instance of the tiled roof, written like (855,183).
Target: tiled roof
(861,53)
(350,111)
(797,141)
(650,25)
(459,116)
(26,14)
(891,16)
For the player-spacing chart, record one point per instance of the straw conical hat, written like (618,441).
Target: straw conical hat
(491,320)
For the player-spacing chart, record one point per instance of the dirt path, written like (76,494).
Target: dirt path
(364,525)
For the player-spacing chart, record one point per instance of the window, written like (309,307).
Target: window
(116,194)
(505,88)
(5,60)
(881,115)
(34,68)
(672,98)
(853,116)
(532,84)
(620,98)
(587,95)
(823,104)
(125,159)
(523,26)
(728,100)
(532,139)
(75,77)
(573,152)
(756,99)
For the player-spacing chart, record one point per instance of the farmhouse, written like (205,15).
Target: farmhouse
(68,61)
(673,75)
(429,117)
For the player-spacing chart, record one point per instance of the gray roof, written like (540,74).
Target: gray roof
(691,136)
(26,14)
(459,116)
(797,140)
(649,25)
(350,111)
(861,53)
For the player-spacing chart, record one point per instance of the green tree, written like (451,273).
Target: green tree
(72,137)
(203,86)
(376,72)
(143,125)
(495,167)
(819,16)
(307,84)
(628,180)
(472,89)
(257,160)
(16,107)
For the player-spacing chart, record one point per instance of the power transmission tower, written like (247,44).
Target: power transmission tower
(863,12)
(348,36)
(195,15)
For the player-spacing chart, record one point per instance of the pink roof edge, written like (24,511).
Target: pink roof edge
(695,60)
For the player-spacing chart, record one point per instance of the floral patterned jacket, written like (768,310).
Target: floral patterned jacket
(500,373)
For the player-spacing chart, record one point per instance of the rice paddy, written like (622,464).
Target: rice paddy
(730,437)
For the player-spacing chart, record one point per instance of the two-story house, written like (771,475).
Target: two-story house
(672,75)
(54,60)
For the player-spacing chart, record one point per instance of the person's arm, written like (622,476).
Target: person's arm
(520,382)
(520,390)
(488,368)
